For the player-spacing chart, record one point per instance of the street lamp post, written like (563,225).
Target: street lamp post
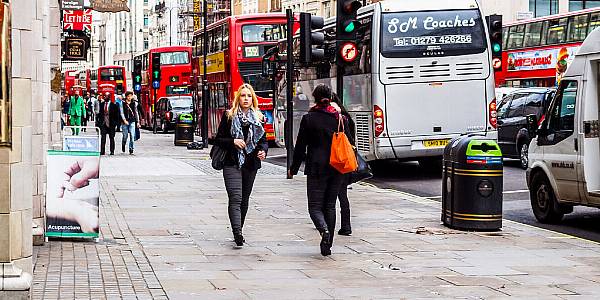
(204,81)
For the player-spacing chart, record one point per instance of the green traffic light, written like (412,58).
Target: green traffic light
(155,74)
(138,78)
(350,27)
(496,47)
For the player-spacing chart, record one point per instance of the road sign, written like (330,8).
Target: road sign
(137,87)
(77,20)
(348,52)
(155,84)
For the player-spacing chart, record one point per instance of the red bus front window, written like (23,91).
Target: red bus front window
(257,33)
(111,74)
(175,58)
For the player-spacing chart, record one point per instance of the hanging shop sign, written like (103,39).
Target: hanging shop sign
(109,5)
(197,20)
(75,48)
(5,75)
(72,4)
(77,20)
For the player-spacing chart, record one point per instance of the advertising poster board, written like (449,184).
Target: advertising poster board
(73,194)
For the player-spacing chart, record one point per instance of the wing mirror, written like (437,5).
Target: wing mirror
(532,125)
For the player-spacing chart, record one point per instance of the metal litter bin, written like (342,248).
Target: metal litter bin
(472,184)
(184,130)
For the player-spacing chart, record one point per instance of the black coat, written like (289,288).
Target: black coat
(224,139)
(313,144)
(114,116)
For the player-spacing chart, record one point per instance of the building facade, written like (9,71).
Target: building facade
(242,7)
(35,128)
(130,32)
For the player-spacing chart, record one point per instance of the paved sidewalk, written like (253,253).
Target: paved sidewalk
(165,233)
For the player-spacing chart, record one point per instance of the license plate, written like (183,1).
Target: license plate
(435,143)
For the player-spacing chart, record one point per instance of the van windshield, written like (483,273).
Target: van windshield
(432,33)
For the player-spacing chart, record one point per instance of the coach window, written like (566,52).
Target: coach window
(594,21)
(505,37)
(533,34)
(515,36)
(578,28)
(225,36)
(556,31)
(218,39)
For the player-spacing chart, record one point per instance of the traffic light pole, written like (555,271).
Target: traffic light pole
(154,113)
(204,118)
(289,132)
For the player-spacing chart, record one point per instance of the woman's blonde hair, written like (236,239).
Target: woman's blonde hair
(236,103)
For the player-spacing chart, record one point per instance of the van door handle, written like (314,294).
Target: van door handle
(576,145)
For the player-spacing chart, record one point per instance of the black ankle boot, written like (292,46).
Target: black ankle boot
(123,147)
(325,243)
(239,239)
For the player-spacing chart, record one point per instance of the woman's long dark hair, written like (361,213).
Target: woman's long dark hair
(322,94)
(336,99)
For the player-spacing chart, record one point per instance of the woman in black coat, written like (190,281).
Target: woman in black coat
(345,227)
(242,135)
(313,146)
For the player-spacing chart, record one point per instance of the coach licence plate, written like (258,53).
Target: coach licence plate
(435,143)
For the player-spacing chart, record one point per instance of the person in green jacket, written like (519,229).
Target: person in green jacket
(76,111)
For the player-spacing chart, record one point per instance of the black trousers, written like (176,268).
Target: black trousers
(110,131)
(322,192)
(238,184)
(345,204)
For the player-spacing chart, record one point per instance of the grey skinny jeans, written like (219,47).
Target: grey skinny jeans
(238,184)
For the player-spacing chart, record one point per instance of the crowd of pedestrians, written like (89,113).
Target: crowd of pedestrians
(110,112)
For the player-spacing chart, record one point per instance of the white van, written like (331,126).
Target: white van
(564,158)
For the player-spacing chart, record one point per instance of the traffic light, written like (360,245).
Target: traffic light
(309,38)
(346,23)
(495,31)
(156,70)
(137,74)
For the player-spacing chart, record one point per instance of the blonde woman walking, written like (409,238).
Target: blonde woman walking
(242,135)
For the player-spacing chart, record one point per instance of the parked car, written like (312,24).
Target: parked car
(169,109)
(513,133)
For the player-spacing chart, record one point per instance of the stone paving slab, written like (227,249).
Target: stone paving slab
(166,235)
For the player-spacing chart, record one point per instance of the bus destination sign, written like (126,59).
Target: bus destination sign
(437,33)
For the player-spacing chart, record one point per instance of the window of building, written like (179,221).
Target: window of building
(146,44)
(542,8)
(582,4)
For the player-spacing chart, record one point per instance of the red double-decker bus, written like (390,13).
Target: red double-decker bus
(110,79)
(235,48)
(538,51)
(176,72)
(70,79)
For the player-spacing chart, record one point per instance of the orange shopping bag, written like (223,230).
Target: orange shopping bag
(342,156)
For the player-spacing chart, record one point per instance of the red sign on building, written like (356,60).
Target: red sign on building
(77,19)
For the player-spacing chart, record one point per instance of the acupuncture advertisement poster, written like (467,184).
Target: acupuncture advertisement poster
(73,194)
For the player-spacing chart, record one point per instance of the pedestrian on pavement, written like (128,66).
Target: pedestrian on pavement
(313,146)
(130,119)
(66,106)
(346,228)
(76,111)
(84,117)
(242,135)
(108,120)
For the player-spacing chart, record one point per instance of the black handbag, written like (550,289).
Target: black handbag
(217,155)
(363,171)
